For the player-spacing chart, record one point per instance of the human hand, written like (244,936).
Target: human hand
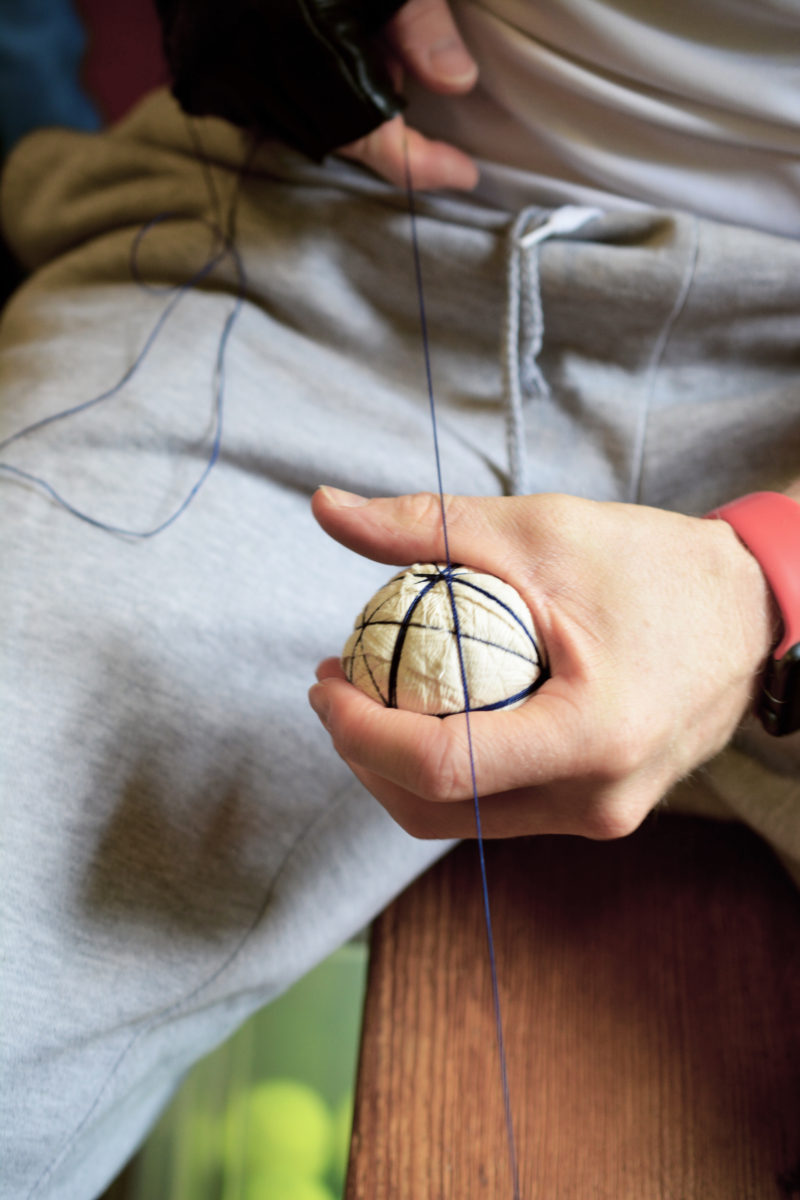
(315,74)
(423,40)
(655,625)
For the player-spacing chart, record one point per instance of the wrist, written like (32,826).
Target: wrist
(768,525)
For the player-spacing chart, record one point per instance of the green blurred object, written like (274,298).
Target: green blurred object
(283,1125)
(342,1129)
(278,1185)
(267,1116)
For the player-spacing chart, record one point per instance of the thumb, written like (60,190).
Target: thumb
(406,529)
(424,36)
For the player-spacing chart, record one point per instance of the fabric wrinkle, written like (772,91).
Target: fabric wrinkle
(656,358)
(523,332)
(166,760)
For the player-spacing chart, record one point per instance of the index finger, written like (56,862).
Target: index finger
(432,164)
(540,742)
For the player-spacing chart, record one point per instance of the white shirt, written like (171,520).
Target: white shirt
(689,104)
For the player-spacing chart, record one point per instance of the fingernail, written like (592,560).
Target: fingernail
(320,701)
(450,62)
(460,173)
(341,499)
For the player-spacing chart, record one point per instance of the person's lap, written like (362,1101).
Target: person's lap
(180,843)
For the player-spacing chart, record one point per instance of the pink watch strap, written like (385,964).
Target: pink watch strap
(769,525)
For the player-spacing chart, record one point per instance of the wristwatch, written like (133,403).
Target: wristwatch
(769,525)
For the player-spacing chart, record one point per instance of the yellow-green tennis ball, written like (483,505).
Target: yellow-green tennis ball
(281,1185)
(287,1127)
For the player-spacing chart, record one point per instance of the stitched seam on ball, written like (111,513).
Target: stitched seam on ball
(476,587)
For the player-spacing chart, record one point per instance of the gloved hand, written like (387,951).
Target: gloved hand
(311,72)
(422,41)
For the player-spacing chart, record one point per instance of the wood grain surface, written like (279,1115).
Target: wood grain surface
(651,999)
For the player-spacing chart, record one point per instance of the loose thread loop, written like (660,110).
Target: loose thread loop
(223,247)
(512,1153)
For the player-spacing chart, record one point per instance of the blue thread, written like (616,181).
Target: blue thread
(397,652)
(467,637)
(366,621)
(476,587)
(223,246)
(509,700)
(512,1153)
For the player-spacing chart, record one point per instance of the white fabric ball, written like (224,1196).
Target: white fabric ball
(403,650)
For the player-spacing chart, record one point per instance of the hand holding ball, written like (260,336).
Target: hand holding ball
(433,629)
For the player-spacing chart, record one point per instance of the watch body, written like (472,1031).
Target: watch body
(769,525)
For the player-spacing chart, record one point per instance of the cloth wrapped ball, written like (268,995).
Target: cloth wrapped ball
(404,648)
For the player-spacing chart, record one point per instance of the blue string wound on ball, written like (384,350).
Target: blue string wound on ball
(404,649)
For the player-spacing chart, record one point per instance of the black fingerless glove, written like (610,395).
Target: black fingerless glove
(310,72)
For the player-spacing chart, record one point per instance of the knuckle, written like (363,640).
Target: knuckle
(617,810)
(427,507)
(345,744)
(622,759)
(349,738)
(622,751)
(419,512)
(610,821)
(443,767)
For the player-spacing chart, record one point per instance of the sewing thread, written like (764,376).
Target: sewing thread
(223,246)
(512,1153)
